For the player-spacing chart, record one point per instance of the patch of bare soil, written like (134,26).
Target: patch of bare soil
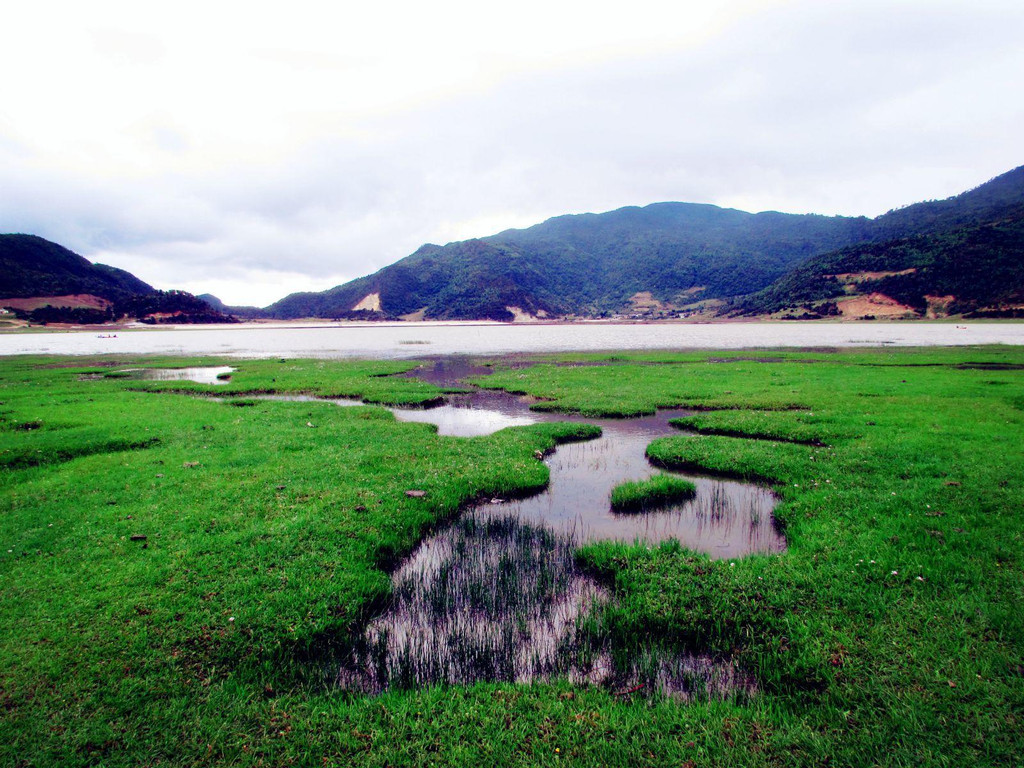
(520,315)
(415,317)
(938,306)
(859,277)
(644,300)
(873,305)
(370,302)
(75,300)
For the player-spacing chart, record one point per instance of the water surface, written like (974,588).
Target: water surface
(727,518)
(497,594)
(215,375)
(406,340)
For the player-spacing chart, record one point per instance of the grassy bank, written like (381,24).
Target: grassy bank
(888,634)
(657,490)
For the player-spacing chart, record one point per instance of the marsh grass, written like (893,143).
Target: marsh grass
(486,599)
(489,599)
(656,491)
(889,633)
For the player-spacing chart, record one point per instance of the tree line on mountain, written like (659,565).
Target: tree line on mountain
(981,266)
(32,267)
(156,307)
(968,247)
(591,265)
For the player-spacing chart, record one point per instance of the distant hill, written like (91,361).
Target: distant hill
(590,264)
(43,282)
(242,312)
(678,259)
(964,255)
(31,266)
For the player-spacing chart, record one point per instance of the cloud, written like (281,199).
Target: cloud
(291,162)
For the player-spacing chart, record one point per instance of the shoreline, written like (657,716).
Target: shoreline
(318,323)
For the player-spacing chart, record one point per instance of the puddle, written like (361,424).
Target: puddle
(215,375)
(475,415)
(726,518)
(496,595)
(446,372)
(485,599)
(491,599)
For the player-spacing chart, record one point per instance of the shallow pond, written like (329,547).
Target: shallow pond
(727,518)
(489,598)
(497,594)
(215,375)
(405,340)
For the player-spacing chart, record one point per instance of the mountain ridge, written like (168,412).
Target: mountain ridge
(676,259)
(962,255)
(42,282)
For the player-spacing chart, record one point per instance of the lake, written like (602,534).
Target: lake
(405,340)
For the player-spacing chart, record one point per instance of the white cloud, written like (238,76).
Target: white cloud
(211,145)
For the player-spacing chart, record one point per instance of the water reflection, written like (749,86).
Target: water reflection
(496,595)
(485,599)
(490,598)
(474,415)
(725,519)
(215,375)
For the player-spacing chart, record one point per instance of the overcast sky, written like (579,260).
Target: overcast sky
(222,148)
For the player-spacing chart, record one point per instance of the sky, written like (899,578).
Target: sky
(250,152)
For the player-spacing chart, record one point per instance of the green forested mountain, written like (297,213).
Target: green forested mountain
(590,264)
(243,312)
(954,256)
(34,268)
(31,266)
(994,200)
(964,255)
(682,253)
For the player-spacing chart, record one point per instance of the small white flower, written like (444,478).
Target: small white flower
(920,578)
(895,573)
(732,565)
(233,618)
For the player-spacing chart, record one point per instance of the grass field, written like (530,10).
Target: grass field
(179,575)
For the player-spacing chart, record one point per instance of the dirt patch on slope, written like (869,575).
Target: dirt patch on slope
(85,300)
(873,305)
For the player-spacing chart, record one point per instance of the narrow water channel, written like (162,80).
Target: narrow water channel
(497,594)
(726,519)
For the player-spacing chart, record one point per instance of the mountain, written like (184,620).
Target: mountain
(43,282)
(31,266)
(963,255)
(239,311)
(676,259)
(589,264)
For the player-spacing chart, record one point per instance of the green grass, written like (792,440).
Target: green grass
(657,490)
(889,633)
